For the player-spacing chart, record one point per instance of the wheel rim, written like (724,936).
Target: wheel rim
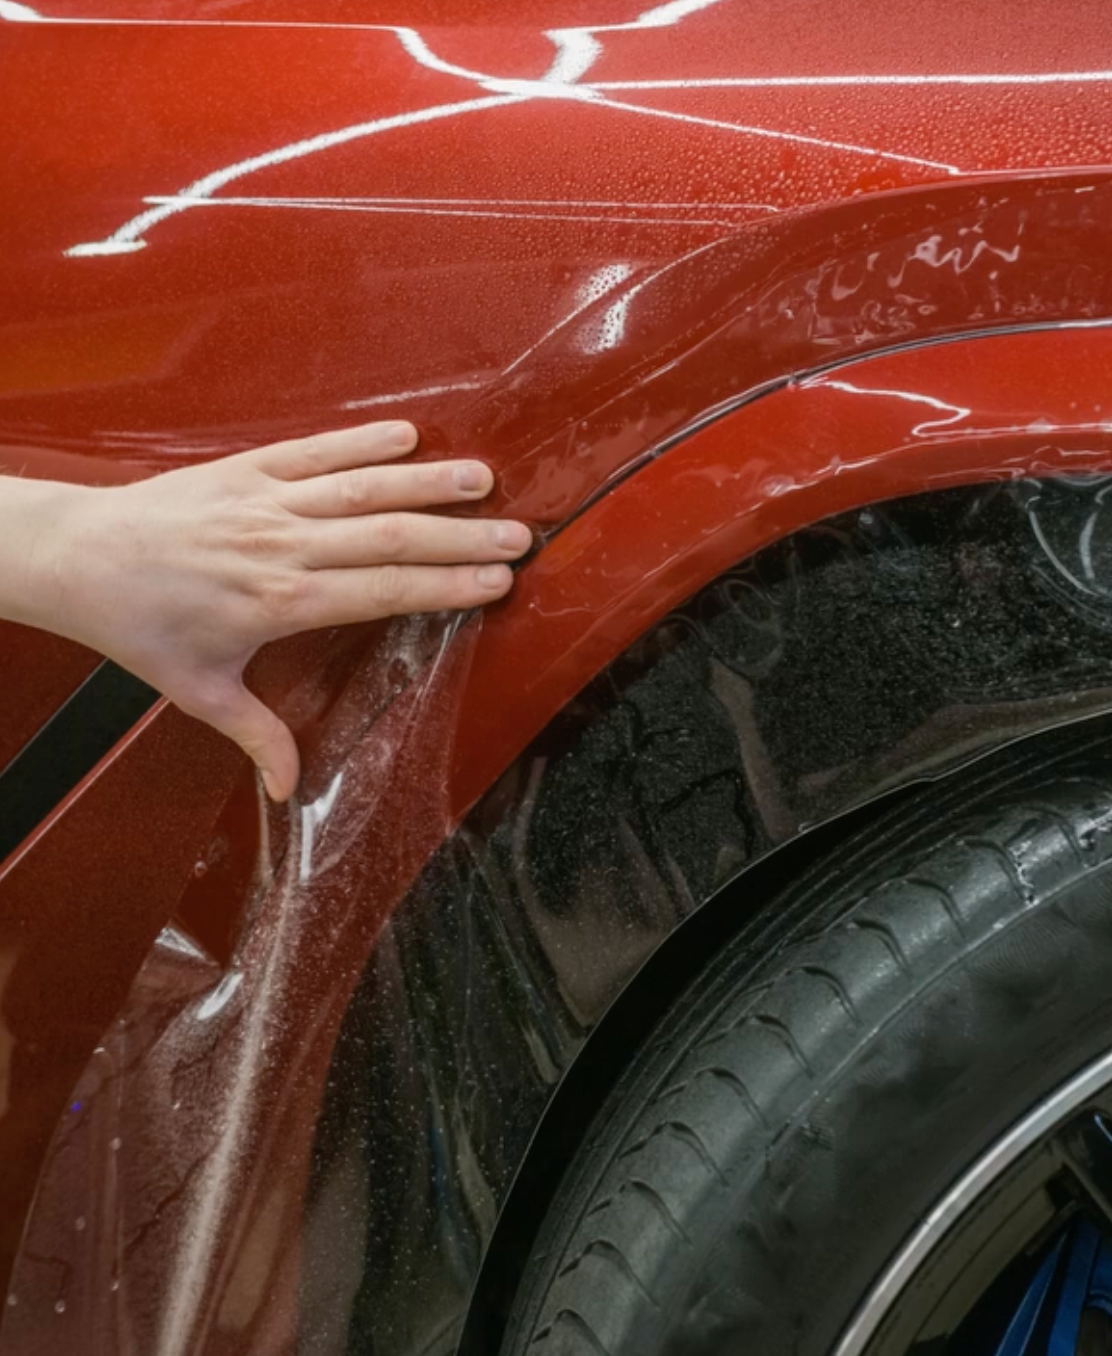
(1016,1260)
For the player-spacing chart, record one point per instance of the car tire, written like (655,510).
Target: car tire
(809,1101)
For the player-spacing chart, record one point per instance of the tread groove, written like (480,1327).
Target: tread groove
(605,1248)
(782,1033)
(737,1086)
(1023,888)
(684,1134)
(886,935)
(673,1090)
(797,1125)
(949,903)
(1068,829)
(831,980)
(659,1204)
(573,1319)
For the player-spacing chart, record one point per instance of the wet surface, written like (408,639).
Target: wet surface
(872,649)
(206,257)
(853,658)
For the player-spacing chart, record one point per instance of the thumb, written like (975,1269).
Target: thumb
(265,739)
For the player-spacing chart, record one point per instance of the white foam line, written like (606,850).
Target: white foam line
(956,413)
(777,135)
(657,17)
(576,52)
(838,81)
(181,201)
(536,202)
(15,12)
(129,236)
(577,49)
(421,394)
(24,14)
(661,16)
(416,47)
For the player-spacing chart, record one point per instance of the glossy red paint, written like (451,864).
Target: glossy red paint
(255,229)
(563,241)
(955,413)
(1031,404)
(280,217)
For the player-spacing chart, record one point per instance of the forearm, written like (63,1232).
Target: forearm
(36,548)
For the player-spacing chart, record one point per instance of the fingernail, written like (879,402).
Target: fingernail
(513,536)
(493,576)
(472,476)
(402,434)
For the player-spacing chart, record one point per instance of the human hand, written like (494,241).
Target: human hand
(181,578)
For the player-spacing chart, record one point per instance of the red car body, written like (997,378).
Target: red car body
(681,274)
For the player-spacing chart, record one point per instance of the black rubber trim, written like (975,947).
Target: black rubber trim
(69,745)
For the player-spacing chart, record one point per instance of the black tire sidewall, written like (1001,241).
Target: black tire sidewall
(803,1240)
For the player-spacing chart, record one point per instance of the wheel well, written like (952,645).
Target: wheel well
(606,1053)
(742,903)
(880,649)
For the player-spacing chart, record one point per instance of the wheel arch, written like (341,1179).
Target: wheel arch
(743,904)
(589,1080)
(982,569)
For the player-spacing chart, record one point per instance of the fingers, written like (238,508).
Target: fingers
(343,596)
(339,450)
(240,715)
(382,489)
(410,539)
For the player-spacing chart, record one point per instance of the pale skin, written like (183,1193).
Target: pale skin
(182,577)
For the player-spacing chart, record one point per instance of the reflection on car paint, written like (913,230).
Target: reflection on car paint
(573,331)
(398,745)
(856,657)
(767,702)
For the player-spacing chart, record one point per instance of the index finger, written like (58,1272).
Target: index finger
(339,450)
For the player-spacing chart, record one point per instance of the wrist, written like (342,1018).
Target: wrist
(39,550)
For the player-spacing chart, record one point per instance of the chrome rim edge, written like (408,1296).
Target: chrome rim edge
(953,1205)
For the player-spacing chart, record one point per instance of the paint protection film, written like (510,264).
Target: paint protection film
(298,1131)
(203,1088)
(873,650)
(303,1144)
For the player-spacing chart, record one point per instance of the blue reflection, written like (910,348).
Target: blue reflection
(1075,1276)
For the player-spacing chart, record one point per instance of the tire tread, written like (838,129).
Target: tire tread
(847,966)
